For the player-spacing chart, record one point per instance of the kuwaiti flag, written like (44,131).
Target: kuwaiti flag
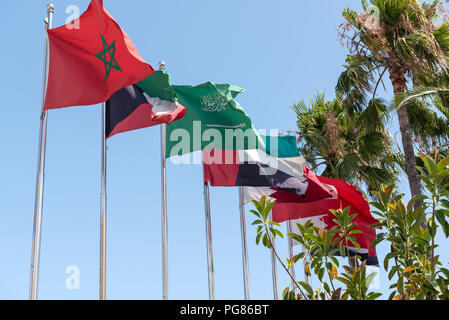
(290,207)
(278,165)
(150,102)
(87,65)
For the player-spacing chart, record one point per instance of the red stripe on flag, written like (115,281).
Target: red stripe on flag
(292,210)
(291,207)
(220,167)
(143,117)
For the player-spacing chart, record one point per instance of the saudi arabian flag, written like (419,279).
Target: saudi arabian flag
(214,120)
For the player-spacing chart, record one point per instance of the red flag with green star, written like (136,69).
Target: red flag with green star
(90,63)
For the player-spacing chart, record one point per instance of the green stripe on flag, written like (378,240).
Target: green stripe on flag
(281,146)
(158,85)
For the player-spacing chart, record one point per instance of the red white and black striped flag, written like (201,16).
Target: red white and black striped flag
(147,103)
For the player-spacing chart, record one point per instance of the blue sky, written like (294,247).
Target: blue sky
(280,51)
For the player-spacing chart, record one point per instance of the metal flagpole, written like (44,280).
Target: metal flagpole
(164,206)
(210,259)
(244,247)
(39,198)
(290,249)
(274,271)
(103,205)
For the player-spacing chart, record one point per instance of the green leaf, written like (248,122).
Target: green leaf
(258,237)
(278,233)
(430,165)
(392,272)
(379,239)
(334,260)
(445,203)
(313,238)
(373,295)
(443,163)
(415,199)
(369,279)
(296,237)
(344,281)
(286,293)
(445,271)
(257,214)
(258,206)
(320,274)
(432,281)
(441,217)
(306,287)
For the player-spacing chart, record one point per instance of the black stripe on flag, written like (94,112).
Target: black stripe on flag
(249,174)
(121,105)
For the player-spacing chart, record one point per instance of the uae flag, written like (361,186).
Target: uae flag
(87,65)
(214,120)
(290,207)
(147,103)
(278,165)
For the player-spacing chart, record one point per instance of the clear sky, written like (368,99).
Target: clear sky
(280,51)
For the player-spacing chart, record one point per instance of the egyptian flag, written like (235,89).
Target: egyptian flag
(87,65)
(279,165)
(147,103)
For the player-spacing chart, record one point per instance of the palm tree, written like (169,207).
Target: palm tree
(344,146)
(400,37)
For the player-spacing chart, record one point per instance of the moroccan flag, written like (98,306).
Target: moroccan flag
(278,165)
(149,102)
(214,120)
(89,64)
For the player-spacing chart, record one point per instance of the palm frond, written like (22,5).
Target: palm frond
(415,94)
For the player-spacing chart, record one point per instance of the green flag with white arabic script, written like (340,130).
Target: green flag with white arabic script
(214,120)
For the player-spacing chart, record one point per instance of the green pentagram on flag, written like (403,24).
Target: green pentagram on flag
(112,63)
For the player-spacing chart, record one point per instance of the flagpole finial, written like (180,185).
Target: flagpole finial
(162,66)
(50,8)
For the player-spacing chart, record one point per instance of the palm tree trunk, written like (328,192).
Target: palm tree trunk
(397,77)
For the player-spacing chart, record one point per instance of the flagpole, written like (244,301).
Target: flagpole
(164,206)
(274,271)
(210,259)
(39,197)
(103,205)
(290,249)
(244,247)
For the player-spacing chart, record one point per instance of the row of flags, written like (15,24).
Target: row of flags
(98,63)
(298,193)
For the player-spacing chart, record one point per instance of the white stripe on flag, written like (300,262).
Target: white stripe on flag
(161,107)
(255,193)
